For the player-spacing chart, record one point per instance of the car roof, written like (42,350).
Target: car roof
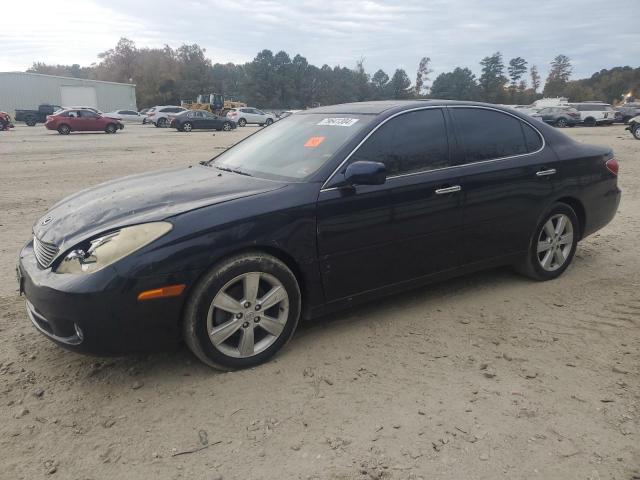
(380,106)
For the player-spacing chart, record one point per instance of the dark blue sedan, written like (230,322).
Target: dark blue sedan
(324,209)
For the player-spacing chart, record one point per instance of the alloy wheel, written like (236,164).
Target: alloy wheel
(555,242)
(248,314)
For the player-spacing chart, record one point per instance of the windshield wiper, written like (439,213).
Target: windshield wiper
(226,169)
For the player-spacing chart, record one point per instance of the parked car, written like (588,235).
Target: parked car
(595,113)
(634,127)
(628,111)
(127,116)
(159,115)
(31,117)
(82,120)
(559,116)
(323,210)
(201,119)
(246,115)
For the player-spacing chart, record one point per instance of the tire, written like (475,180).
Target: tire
(64,129)
(161,123)
(562,123)
(111,128)
(636,132)
(242,122)
(31,121)
(545,265)
(268,122)
(187,127)
(242,321)
(226,126)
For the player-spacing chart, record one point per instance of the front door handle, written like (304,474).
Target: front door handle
(544,173)
(453,189)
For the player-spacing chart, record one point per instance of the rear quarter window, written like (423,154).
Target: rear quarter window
(486,134)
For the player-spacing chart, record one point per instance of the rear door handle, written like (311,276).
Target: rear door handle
(544,173)
(453,189)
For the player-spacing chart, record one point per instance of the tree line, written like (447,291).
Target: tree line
(167,75)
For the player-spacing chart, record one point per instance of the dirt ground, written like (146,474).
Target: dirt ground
(482,377)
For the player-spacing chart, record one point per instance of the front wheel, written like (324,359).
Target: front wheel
(242,312)
(553,244)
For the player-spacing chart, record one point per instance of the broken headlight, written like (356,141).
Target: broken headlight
(106,249)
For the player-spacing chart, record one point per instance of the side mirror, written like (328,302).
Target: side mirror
(365,173)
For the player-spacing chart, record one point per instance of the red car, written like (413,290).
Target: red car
(82,121)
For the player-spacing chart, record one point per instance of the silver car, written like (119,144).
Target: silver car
(245,115)
(127,116)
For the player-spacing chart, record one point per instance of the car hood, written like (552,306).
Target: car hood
(142,198)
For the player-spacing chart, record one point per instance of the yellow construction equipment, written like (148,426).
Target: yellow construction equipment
(212,102)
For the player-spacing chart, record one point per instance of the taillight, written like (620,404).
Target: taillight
(612,165)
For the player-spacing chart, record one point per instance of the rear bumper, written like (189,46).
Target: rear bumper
(99,313)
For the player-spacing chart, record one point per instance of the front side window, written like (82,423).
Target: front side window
(409,143)
(488,134)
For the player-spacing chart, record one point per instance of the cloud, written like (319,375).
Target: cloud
(387,34)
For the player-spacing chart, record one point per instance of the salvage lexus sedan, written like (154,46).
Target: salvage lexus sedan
(325,209)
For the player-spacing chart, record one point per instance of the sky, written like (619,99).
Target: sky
(387,34)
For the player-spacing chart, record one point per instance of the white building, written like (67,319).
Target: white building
(21,90)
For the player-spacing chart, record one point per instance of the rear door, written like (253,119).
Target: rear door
(374,236)
(507,178)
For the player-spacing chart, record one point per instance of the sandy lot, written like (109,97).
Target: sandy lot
(486,376)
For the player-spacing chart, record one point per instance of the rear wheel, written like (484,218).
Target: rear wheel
(242,122)
(111,128)
(187,127)
(64,129)
(242,312)
(561,122)
(552,245)
(226,126)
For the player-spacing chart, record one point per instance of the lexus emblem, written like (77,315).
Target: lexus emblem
(46,220)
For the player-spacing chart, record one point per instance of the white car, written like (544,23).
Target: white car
(127,116)
(595,113)
(159,115)
(245,115)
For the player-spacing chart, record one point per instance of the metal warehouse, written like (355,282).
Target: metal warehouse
(21,90)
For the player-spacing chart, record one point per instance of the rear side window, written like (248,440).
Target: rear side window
(488,134)
(412,142)
(532,138)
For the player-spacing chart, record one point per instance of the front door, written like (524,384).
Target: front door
(372,236)
(507,179)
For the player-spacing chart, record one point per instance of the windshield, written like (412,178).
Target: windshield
(293,148)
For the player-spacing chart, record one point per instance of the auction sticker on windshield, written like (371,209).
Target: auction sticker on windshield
(338,122)
(313,142)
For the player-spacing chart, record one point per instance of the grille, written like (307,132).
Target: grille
(45,252)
